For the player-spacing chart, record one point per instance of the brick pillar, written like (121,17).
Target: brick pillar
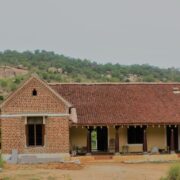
(89,140)
(172,141)
(145,141)
(117,140)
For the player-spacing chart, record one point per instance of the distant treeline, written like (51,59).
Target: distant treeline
(54,67)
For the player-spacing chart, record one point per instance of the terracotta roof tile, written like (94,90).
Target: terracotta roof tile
(100,104)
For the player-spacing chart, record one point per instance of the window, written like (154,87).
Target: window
(34,92)
(35,131)
(135,135)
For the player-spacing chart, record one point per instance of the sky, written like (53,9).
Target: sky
(116,31)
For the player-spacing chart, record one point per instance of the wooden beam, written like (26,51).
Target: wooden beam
(172,141)
(117,139)
(89,140)
(145,141)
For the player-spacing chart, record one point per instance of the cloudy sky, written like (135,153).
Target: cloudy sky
(123,31)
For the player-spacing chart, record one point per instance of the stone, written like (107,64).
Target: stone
(32,159)
(52,69)
(60,70)
(14,157)
(77,161)
(50,160)
(28,159)
(155,150)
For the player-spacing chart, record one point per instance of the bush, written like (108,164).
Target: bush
(174,173)
(1,98)
(3,83)
(17,80)
(12,86)
(1,162)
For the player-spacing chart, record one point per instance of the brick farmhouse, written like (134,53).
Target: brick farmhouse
(56,120)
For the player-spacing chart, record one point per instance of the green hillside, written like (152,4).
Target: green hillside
(59,68)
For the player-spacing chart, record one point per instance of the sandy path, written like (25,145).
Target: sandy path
(95,171)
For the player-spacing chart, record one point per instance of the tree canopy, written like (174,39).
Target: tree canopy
(55,67)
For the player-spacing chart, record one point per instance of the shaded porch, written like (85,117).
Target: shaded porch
(124,139)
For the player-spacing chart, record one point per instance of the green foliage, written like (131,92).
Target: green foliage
(173,173)
(58,68)
(17,80)
(3,83)
(94,139)
(1,162)
(1,98)
(6,178)
(148,78)
(12,86)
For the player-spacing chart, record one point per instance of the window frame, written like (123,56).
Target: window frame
(35,132)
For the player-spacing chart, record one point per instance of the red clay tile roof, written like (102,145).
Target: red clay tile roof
(103,104)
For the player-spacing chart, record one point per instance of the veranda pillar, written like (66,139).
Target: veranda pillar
(172,141)
(89,130)
(117,140)
(145,141)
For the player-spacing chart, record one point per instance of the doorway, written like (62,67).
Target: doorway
(99,139)
(102,139)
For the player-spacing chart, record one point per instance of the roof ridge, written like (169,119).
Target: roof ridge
(121,83)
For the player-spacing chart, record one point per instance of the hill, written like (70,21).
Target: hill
(10,72)
(16,66)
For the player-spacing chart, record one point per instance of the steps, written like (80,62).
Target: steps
(126,158)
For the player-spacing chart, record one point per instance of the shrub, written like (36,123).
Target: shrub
(17,80)
(173,173)
(1,162)
(3,83)
(12,86)
(1,98)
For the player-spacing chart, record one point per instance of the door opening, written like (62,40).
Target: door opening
(99,139)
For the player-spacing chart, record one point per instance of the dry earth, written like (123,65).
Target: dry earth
(9,72)
(93,171)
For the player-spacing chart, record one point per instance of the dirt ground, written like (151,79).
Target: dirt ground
(94,171)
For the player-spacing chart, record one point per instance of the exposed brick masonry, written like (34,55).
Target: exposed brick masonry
(45,101)
(56,128)
(56,136)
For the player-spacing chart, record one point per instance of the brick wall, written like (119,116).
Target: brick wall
(12,134)
(56,136)
(24,102)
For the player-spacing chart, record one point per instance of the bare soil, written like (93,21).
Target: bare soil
(9,72)
(93,171)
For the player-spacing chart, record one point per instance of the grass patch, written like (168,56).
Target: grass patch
(1,162)
(6,178)
(173,173)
